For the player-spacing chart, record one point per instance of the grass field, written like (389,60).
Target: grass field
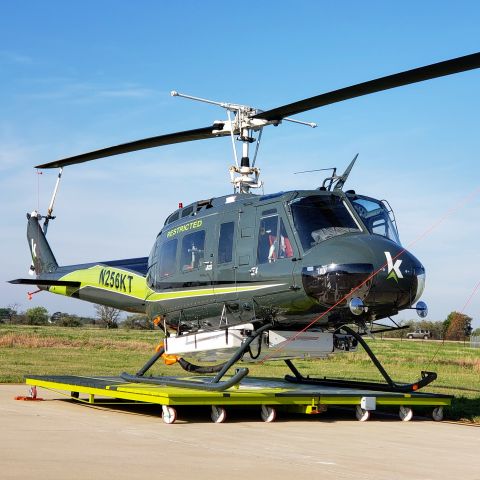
(54,350)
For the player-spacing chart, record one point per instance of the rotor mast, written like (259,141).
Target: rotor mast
(243,176)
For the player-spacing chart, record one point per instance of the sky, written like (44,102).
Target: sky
(78,76)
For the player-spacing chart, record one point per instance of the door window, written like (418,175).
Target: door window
(193,246)
(273,240)
(167,258)
(267,240)
(285,249)
(225,242)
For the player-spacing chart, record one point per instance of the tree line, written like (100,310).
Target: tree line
(105,317)
(457,326)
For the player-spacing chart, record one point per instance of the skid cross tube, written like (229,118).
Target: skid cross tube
(427,377)
(240,352)
(214,384)
(150,362)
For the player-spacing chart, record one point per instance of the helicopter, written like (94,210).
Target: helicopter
(256,277)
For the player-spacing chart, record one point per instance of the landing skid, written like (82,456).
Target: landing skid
(388,386)
(215,384)
(209,384)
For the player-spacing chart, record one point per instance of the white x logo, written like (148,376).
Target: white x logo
(393,269)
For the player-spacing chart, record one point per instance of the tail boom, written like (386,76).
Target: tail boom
(119,283)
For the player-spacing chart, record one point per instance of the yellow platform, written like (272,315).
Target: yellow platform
(269,393)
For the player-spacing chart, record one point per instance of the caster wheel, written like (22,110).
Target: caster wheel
(268,414)
(362,414)
(74,394)
(405,414)
(219,414)
(437,414)
(169,414)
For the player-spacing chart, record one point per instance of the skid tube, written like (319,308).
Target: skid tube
(389,386)
(213,385)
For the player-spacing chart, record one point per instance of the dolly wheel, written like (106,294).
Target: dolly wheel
(219,414)
(437,414)
(74,394)
(362,414)
(169,414)
(405,414)
(268,414)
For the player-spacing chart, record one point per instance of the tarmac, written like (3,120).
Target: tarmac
(59,438)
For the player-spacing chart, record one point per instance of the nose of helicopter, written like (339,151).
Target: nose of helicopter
(385,276)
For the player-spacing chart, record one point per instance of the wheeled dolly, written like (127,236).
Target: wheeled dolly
(270,395)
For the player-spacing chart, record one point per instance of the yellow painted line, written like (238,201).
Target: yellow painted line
(160,297)
(414,401)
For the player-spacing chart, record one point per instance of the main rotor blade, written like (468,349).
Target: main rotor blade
(448,67)
(170,138)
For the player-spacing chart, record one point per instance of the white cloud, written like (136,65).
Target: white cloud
(68,89)
(14,57)
(127,92)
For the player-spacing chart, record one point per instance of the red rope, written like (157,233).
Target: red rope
(462,310)
(470,298)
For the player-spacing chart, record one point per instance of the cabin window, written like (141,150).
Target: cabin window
(318,218)
(173,217)
(225,242)
(267,239)
(193,246)
(273,241)
(266,213)
(285,249)
(166,265)
(187,211)
(152,265)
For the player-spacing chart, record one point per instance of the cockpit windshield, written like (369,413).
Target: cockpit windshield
(319,217)
(376,216)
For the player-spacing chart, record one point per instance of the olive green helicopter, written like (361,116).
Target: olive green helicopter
(253,277)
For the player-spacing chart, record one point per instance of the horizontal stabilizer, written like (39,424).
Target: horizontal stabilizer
(45,283)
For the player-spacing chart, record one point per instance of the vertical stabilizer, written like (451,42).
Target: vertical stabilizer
(42,255)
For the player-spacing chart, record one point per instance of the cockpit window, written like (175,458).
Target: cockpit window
(320,217)
(375,216)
